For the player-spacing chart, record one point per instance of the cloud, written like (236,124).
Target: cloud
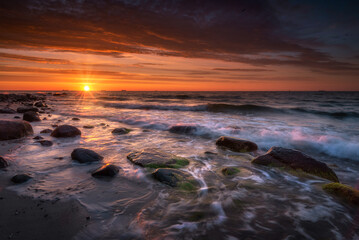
(250,32)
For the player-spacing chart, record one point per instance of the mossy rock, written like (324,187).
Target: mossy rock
(230,171)
(155,158)
(344,192)
(294,160)
(176,178)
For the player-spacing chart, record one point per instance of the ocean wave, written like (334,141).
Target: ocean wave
(339,114)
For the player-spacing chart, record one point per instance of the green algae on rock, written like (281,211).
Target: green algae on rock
(342,191)
(230,171)
(176,178)
(295,160)
(155,158)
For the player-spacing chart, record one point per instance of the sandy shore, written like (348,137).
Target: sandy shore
(24,217)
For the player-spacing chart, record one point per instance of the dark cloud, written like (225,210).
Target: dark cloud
(255,32)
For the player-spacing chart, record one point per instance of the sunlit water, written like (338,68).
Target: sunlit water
(258,203)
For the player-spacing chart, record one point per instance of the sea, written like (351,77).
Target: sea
(257,203)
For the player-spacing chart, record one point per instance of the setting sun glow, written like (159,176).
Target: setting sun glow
(86,88)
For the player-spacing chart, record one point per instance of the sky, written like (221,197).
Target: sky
(169,45)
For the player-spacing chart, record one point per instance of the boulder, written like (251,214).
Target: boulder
(45,143)
(176,178)
(236,144)
(83,155)
(47,130)
(7,111)
(230,171)
(64,131)
(14,129)
(20,178)
(183,129)
(27,109)
(106,171)
(344,192)
(121,131)
(3,163)
(31,116)
(155,158)
(295,160)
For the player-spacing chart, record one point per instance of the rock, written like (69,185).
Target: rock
(7,111)
(106,171)
(176,178)
(17,117)
(45,143)
(183,129)
(295,160)
(27,109)
(229,171)
(47,130)
(121,131)
(45,118)
(54,125)
(88,126)
(155,158)
(344,192)
(236,144)
(83,155)
(40,104)
(3,163)
(20,178)
(14,129)
(31,117)
(65,131)
(76,119)
(38,138)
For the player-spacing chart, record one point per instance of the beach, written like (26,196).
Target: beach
(222,191)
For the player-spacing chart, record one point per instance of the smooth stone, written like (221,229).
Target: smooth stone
(7,111)
(236,144)
(47,130)
(14,129)
(106,171)
(183,129)
(296,160)
(31,116)
(121,131)
(83,155)
(88,126)
(20,178)
(176,178)
(3,163)
(76,119)
(347,193)
(155,158)
(45,143)
(65,131)
(38,138)
(27,109)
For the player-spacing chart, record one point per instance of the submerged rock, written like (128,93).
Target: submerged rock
(293,159)
(88,126)
(236,144)
(106,171)
(183,129)
(31,116)
(27,109)
(13,129)
(7,111)
(38,138)
(121,131)
(75,119)
(40,104)
(155,158)
(176,178)
(20,178)
(83,155)
(64,131)
(45,143)
(47,130)
(344,192)
(3,163)
(17,117)
(229,171)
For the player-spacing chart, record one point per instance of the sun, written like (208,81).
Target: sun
(86,88)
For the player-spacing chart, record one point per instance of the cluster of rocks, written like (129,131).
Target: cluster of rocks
(21,98)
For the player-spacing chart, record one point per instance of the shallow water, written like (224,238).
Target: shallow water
(258,203)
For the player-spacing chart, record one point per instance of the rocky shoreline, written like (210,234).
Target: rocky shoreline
(162,166)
